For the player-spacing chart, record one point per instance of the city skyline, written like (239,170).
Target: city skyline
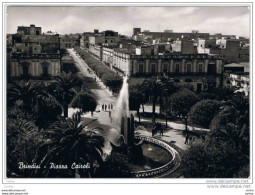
(66,20)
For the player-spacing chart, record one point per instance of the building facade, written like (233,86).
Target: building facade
(172,64)
(232,50)
(69,41)
(33,54)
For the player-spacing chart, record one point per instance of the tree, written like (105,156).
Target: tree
(135,99)
(214,159)
(67,142)
(84,102)
(203,112)
(157,88)
(168,110)
(26,91)
(113,168)
(22,140)
(134,84)
(182,101)
(112,80)
(225,152)
(62,88)
(222,93)
(46,111)
(233,120)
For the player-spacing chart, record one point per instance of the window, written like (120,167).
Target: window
(140,68)
(188,68)
(200,68)
(165,68)
(153,68)
(177,67)
(211,69)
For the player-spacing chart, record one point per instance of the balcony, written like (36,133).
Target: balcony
(35,56)
(176,56)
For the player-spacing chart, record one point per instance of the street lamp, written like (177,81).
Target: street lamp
(186,121)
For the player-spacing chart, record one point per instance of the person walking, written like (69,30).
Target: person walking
(161,129)
(102,107)
(111,106)
(187,139)
(153,130)
(105,107)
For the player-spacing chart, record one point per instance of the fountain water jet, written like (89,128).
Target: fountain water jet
(125,121)
(122,104)
(132,150)
(122,113)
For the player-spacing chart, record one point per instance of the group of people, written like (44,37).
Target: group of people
(157,127)
(105,106)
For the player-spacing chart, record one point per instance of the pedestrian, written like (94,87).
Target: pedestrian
(191,139)
(153,130)
(105,107)
(111,106)
(187,139)
(110,114)
(92,113)
(102,107)
(161,129)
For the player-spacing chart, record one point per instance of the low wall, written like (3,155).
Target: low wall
(160,170)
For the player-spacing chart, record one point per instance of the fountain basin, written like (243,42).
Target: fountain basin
(168,167)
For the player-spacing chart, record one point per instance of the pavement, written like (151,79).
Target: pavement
(110,129)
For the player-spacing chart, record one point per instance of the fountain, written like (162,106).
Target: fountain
(133,150)
(128,148)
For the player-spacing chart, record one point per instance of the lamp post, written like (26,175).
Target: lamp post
(185,117)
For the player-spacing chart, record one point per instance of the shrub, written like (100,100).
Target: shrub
(85,102)
(188,80)
(182,101)
(203,112)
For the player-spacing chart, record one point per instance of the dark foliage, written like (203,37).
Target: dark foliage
(203,112)
(85,102)
(63,89)
(182,101)
(46,111)
(67,141)
(109,77)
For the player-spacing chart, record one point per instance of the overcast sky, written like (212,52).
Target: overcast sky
(64,20)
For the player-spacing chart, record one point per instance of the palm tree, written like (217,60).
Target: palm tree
(68,142)
(240,104)
(232,123)
(157,88)
(22,140)
(26,91)
(63,89)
